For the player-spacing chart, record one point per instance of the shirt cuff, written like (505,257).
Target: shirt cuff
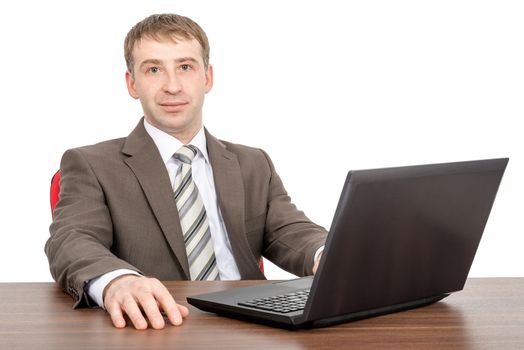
(95,287)
(317,253)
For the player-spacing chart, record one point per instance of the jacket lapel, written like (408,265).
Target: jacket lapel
(230,194)
(147,165)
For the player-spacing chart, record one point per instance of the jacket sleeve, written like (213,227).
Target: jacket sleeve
(78,249)
(290,238)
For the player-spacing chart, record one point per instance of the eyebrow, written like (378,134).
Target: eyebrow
(150,61)
(186,59)
(178,60)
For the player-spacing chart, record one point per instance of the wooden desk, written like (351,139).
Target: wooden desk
(487,314)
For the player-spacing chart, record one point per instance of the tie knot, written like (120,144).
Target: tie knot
(186,154)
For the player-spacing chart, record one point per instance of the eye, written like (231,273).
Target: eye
(153,70)
(185,67)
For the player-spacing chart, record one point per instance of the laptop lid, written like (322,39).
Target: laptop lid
(403,234)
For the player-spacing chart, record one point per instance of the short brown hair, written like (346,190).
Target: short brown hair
(163,26)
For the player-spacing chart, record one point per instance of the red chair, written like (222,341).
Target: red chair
(55,196)
(55,190)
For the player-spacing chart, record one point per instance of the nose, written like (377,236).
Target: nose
(172,84)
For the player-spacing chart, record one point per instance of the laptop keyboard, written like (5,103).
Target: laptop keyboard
(280,303)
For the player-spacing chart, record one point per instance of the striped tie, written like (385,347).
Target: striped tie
(193,219)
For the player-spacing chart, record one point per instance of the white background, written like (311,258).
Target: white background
(323,86)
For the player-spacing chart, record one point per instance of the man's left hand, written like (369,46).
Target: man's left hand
(317,262)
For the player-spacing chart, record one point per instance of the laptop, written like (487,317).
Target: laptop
(401,238)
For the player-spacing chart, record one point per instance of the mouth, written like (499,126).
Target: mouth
(173,106)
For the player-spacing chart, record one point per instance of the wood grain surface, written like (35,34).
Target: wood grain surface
(487,314)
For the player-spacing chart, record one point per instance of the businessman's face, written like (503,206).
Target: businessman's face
(171,81)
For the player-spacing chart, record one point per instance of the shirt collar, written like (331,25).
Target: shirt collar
(167,145)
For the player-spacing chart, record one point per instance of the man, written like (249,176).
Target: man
(170,201)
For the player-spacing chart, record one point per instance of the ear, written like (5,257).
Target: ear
(209,78)
(130,82)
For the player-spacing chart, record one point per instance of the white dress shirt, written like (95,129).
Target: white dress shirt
(203,177)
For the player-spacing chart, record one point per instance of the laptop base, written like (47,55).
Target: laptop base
(355,316)
(294,323)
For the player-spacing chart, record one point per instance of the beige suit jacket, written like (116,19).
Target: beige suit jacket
(117,210)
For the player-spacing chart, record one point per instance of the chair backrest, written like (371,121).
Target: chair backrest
(55,196)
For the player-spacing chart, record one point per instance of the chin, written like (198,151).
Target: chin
(171,123)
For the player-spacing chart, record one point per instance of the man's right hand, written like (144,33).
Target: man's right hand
(139,298)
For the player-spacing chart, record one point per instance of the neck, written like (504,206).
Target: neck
(185,136)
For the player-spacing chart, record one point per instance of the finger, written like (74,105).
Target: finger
(184,311)
(168,304)
(116,315)
(130,307)
(150,308)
